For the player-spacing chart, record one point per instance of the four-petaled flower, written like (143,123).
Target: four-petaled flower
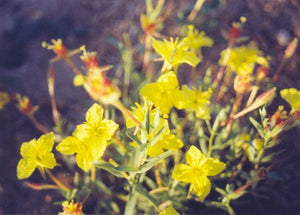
(197,101)
(36,154)
(195,40)
(196,172)
(242,59)
(165,93)
(89,140)
(292,96)
(174,53)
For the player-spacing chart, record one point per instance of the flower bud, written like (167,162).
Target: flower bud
(242,83)
(262,173)
(290,50)
(262,72)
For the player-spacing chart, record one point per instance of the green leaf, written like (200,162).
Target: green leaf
(147,121)
(108,167)
(152,161)
(134,138)
(126,168)
(143,192)
(258,127)
(157,137)
(131,203)
(221,191)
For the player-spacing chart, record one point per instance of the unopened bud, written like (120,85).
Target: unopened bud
(262,173)
(290,50)
(242,83)
(262,72)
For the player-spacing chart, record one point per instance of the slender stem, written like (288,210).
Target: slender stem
(224,64)
(37,124)
(71,64)
(210,142)
(184,121)
(235,107)
(157,175)
(126,112)
(276,76)
(246,185)
(93,173)
(51,81)
(194,12)
(56,181)
(147,64)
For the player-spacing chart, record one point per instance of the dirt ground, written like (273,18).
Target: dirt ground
(23,68)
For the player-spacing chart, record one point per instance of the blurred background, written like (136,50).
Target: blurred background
(24,24)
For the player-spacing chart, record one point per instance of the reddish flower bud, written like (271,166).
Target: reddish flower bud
(234,33)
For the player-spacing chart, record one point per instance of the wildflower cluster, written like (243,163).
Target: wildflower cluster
(179,141)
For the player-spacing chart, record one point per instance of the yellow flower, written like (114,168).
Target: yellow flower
(242,59)
(99,86)
(292,96)
(167,141)
(89,58)
(4,99)
(57,47)
(197,101)
(195,40)
(139,113)
(174,53)
(197,171)
(36,154)
(164,93)
(169,211)
(71,208)
(89,140)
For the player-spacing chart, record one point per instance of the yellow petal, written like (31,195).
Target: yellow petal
(45,142)
(201,187)
(94,115)
(168,81)
(184,173)
(169,211)
(292,96)
(194,157)
(25,168)
(171,142)
(68,146)
(108,128)
(84,160)
(48,161)
(160,47)
(212,167)
(28,149)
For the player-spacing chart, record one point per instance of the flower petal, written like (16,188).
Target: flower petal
(201,187)
(25,168)
(184,173)
(94,115)
(212,167)
(69,146)
(194,157)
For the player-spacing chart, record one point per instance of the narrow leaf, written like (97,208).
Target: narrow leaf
(258,127)
(152,161)
(108,167)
